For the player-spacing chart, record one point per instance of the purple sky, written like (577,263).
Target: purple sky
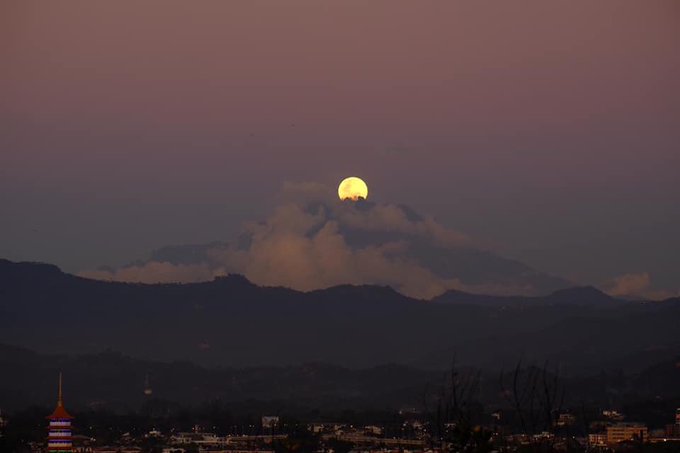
(550,130)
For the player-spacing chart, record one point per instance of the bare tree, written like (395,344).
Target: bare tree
(536,395)
(451,408)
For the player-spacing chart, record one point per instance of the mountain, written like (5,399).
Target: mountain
(232,322)
(315,244)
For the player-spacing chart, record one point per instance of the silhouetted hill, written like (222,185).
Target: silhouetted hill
(110,380)
(577,296)
(584,295)
(232,322)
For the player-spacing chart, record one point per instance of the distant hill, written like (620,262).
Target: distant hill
(113,381)
(232,322)
(586,296)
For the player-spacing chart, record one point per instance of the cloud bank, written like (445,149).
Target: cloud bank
(312,240)
(636,285)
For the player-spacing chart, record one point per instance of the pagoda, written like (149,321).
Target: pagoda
(59,436)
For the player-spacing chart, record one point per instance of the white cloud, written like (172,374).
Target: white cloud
(301,246)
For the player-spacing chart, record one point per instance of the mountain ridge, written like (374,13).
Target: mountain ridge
(233,322)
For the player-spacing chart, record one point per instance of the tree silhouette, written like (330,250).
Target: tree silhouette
(451,409)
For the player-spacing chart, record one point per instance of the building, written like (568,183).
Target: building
(673,430)
(612,415)
(59,438)
(373,430)
(626,431)
(597,439)
(270,421)
(566,419)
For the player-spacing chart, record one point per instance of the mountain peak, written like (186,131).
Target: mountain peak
(234,280)
(581,295)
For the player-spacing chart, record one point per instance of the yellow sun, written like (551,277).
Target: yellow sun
(352,188)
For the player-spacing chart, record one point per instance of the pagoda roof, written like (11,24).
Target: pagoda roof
(60,413)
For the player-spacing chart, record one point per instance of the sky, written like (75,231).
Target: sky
(548,130)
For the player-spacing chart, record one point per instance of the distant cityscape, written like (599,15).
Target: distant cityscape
(454,425)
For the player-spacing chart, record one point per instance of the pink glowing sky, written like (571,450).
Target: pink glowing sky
(549,129)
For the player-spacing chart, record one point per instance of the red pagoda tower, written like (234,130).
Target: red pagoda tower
(59,437)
